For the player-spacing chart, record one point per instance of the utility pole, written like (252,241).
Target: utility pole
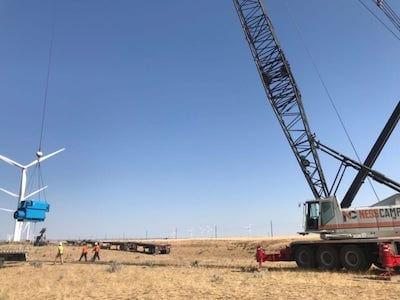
(272,233)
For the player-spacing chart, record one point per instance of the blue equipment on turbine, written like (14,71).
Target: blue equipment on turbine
(32,210)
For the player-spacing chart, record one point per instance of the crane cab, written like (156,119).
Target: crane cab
(324,216)
(311,209)
(32,210)
(319,212)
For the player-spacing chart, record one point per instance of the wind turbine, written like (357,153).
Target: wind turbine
(21,196)
(248,227)
(190,231)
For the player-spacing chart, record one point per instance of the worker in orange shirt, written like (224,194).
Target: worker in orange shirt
(84,252)
(96,250)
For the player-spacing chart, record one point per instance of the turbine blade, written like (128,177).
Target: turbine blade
(35,192)
(7,210)
(11,194)
(40,159)
(10,161)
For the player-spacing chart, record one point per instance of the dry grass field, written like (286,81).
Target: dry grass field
(195,269)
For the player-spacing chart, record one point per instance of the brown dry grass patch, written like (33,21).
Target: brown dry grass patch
(196,269)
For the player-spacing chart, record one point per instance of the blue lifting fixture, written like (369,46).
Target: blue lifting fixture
(32,211)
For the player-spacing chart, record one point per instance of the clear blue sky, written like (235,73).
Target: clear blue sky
(164,119)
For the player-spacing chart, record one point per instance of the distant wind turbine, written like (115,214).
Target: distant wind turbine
(190,231)
(248,227)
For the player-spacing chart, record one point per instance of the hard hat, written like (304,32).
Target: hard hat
(95,243)
(60,244)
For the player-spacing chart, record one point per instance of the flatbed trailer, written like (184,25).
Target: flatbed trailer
(134,246)
(12,256)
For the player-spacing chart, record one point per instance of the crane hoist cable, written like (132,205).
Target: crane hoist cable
(389,12)
(46,88)
(332,102)
(44,107)
(36,182)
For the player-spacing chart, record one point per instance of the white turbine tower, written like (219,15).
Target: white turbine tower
(9,236)
(190,231)
(248,227)
(22,196)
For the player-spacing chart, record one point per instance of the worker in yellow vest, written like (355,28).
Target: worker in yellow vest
(60,253)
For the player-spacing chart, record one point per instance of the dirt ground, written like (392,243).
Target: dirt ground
(195,269)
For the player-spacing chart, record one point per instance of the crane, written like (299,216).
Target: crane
(350,238)
(282,92)
(389,12)
(286,101)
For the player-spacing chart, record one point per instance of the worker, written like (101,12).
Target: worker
(84,252)
(260,256)
(60,253)
(96,250)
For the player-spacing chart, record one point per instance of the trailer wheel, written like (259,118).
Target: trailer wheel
(165,251)
(353,258)
(155,250)
(328,258)
(304,257)
(378,264)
